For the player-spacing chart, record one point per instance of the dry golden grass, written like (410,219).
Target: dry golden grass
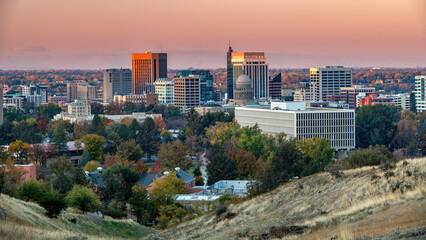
(363,203)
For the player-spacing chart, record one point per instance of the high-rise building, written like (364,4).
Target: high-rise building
(164,90)
(329,79)
(186,91)
(1,104)
(116,82)
(275,87)
(254,65)
(420,92)
(305,92)
(229,74)
(80,90)
(146,68)
(34,90)
(80,107)
(206,82)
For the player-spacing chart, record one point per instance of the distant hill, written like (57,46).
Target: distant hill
(365,203)
(26,220)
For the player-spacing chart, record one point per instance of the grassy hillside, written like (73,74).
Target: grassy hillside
(365,203)
(27,221)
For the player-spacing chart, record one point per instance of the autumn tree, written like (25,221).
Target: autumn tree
(19,151)
(174,155)
(247,164)
(92,166)
(157,168)
(130,150)
(317,153)
(140,167)
(167,186)
(94,145)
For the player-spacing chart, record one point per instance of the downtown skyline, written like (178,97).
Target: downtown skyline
(293,34)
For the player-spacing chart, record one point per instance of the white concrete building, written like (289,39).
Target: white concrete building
(401,100)
(338,125)
(164,88)
(329,79)
(139,116)
(420,93)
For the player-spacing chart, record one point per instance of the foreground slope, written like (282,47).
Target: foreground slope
(365,203)
(25,220)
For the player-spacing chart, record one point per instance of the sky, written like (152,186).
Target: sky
(97,34)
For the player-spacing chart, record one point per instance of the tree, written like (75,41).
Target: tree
(220,167)
(19,151)
(47,110)
(192,118)
(92,166)
(149,137)
(316,153)
(141,167)
(284,165)
(376,125)
(134,129)
(39,154)
(113,109)
(165,187)
(96,126)
(96,108)
(130,150)
(82,198)
(413,107)
(166,136)
(94,144)
(65,180)
(139,203)
(119,180)
(369,156)
(80,129)
(160,124)
(33,190)
(247,164)
(60,138)
(53,202)
(407,133)
(174,155)
(61,165)
(157,168)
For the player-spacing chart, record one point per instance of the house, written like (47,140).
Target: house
(28,172)
(146,180)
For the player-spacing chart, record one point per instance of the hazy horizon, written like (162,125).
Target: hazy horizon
(97,34)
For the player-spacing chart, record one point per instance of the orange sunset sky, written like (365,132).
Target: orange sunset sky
(94,34)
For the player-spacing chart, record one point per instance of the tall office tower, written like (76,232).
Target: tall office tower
(206,82)
(146,68)
(419,93)
(87,91)
(1,104)
(186,91)
(116,82)
(329,79)
(42,91)
(164,90)
(275,87)
(71,92)
(28,90)
(254,65)
(229,74)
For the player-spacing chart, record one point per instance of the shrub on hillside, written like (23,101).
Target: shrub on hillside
(54,203)
(82,198)
(33,190)
(369,156)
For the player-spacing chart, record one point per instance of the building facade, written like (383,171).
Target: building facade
(305,92)
(34,90)
(186,91)
(275,87)
(146,68)
(419,93)
(80,107)
(146,99)
(349,94)
(117,81)
(14,102)
(1,104)
(253,64)
(338,125)
(81,90)
(329,79)
(206,82)
(164,90)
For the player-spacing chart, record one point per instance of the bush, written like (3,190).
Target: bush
(82,198)
(54,203)
(33,190)
(370,156)
(92,166)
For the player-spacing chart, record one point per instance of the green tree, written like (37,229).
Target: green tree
(47,110)
(149,137)
(247,164)
(130,150)
(96,108)
(174,155)
(413,107)
(165,187)
(60,138)
(316,153)
(220,167)
(283,166)
(61,165)
(33,190)
(92,166)
(376,125)
(65,180)
(369,156)
(139,203)
(134,129)
(53,202)
(96,126)
(119,180)
(82,198)
(94,144)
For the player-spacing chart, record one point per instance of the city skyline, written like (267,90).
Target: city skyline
(102,34)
